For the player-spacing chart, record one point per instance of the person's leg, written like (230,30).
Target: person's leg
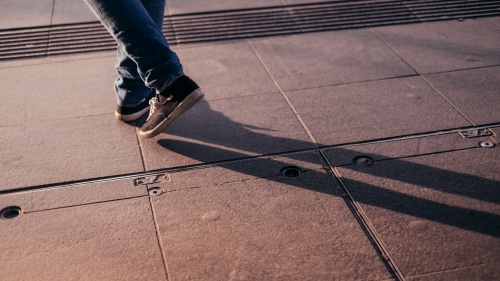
(132,94)
(159,67)
(130,24)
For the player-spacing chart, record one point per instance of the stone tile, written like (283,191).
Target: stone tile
(67,150)
(72,195)
(329,58)
(496,20)
(445,46)
(275,228)
(479,272)
(474,92)
(227,129)
(434,213)
(372,110)
(345,155)
(25,13)
(193,6)
(244,170)
(226,70)
(108,241)
(57,59)
(66,89)
(72,11)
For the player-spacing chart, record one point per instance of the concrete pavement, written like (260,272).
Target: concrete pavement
(354,154)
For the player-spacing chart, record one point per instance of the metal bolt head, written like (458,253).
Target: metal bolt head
(155,191)
(363,160)
(11,212)
(486,144)
(291,171)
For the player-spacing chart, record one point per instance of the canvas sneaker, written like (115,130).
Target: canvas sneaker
(127,114)
(168,105)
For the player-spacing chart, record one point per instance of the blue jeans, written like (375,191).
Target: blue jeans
(144,58)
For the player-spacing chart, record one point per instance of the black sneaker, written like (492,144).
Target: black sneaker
(169,105)
(128,114)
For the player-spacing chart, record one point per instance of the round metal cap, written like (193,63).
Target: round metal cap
(291,171)
(487,144)
(11,212)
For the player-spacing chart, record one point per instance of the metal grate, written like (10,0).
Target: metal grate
(246,23)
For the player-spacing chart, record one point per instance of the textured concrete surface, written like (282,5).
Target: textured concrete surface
(193,6)
(73,195)
(445,46)
(442,209)
(25,13)
(346,155)
(110,241)
(227,70)
(214,197)
(343,57)
(237,127)
(363,111)
(67,150)
(480,108)
(71,11)
(69,89)
(265,229)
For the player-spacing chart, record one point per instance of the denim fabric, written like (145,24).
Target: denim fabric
(144,58)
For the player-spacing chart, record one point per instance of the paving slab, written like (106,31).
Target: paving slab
(238,171)
(393,149)
(226,70)
(371,110)
(107,241)
(67,150)
(25,13)
(435,213)
(72,195)
(71,11)
(328,58)
(445,46)
(193,6)
(496,20)
(56,59)
(227,129)
(474,92)
(276,228)
(62,90)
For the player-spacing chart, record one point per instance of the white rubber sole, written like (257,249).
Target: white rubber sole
(184,106)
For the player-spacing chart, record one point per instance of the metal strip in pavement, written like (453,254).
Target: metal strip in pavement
(241,160)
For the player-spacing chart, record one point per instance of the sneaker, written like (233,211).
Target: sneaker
(127,114)
(169,105)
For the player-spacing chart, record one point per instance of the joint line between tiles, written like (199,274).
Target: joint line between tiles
(422,77)
(495,23)
(364,220)
(158,237)
(141,150)
(447,100)
(84,204)
(309,134)
(455,268)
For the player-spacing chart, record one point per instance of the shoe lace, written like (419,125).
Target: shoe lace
(152,103)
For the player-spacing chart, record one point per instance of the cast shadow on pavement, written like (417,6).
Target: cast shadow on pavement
(206,126)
